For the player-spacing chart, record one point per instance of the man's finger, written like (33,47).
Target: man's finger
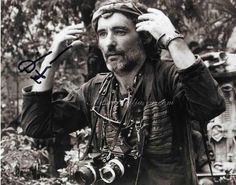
(142,27)
(147,16)
(70,32)
(144,23)
(69,37)
(154,10)
(77,43)
(76,26)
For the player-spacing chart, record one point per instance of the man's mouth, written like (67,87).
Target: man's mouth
(113,54)
(112,58)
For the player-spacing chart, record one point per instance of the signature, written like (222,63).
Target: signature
(29,66)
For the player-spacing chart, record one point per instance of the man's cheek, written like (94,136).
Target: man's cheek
(100,45)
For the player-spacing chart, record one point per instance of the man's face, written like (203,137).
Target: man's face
(119,42)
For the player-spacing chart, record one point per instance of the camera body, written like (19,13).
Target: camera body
(106,166)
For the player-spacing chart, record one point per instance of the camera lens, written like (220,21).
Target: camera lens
(112,170)
(86,174)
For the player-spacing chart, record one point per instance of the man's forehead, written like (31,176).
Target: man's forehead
(114,20)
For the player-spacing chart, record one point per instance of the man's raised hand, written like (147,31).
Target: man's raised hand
(156,23)
(68,34)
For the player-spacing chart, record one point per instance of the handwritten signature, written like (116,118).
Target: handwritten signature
(29,66)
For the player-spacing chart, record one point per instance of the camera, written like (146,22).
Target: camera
(106,166)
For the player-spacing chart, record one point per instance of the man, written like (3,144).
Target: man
(141,109)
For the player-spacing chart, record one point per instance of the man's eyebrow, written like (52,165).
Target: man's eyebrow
(99,30)
(114,28)
(120,27)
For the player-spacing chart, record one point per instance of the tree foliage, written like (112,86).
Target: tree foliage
(25,161)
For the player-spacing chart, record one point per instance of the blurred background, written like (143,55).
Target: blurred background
(27,30)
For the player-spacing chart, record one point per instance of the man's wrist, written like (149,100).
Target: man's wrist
(167,38)
(180,53)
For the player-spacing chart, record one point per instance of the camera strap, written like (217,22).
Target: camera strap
(124,115)
(142,143)
(206,149)
(98,102)
(143,128)
(147,78)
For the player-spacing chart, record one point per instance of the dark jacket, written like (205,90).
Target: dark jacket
(169,98)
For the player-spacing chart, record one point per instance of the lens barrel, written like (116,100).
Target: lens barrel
(112,170)
(86,174)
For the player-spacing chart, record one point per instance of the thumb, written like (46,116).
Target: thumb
(77,43)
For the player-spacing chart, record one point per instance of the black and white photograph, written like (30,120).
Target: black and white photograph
(120,92)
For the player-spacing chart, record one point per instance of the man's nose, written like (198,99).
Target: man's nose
(110,41)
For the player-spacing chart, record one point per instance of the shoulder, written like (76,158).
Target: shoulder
(99,78)
(94,83)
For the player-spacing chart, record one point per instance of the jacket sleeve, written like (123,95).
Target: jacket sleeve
(196,90)
(41,117)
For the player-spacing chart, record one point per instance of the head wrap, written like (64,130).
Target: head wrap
(130,7)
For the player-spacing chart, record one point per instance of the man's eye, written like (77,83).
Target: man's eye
(102,34)
(120,32)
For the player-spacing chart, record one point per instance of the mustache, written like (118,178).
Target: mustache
(111,53)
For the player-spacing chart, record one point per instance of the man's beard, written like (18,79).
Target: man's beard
(128,60)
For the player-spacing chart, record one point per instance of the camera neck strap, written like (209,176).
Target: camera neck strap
(206,148)
(123,119)
(147,78)
(142,143)
(98,102)
(142,131)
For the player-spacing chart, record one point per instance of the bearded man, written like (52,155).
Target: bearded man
(139,111)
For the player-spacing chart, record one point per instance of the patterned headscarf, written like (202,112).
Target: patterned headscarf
(130,7)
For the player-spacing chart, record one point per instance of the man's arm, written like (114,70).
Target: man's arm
(41,117)
(160,27)
(191,83)
(67,34)
(181,54)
